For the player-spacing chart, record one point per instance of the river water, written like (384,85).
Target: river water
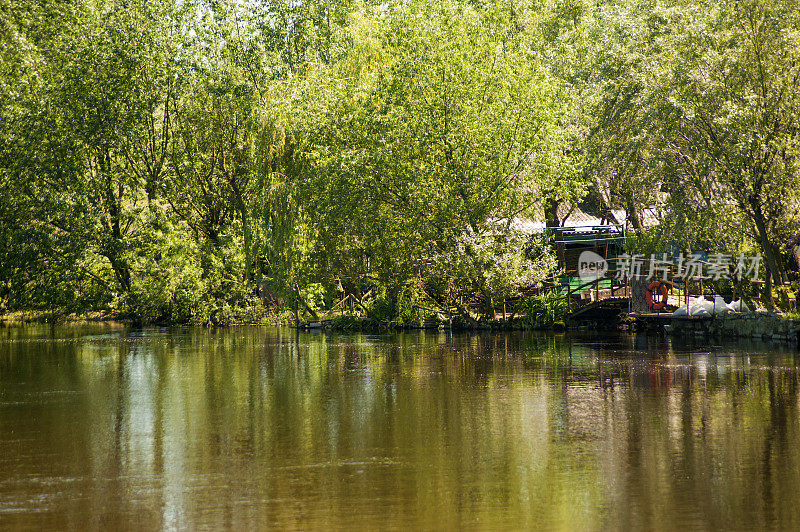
(112,427)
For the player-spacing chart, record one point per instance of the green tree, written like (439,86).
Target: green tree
(733,81)
(445,124)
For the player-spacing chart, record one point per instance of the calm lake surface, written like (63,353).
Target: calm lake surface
(106,426)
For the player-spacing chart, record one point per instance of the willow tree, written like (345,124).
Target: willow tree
(731,77)
(442,122)
(88,140)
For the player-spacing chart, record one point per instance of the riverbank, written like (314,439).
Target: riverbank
(40,316)
(761,325)
(767,326)
(351,323)
(49,317)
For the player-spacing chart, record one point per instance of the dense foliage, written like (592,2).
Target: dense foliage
(207,162)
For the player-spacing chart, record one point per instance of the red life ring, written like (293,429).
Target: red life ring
(656,288)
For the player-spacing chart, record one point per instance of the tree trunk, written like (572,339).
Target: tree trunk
(248,251)
(768,292)
(551,212)
(299,298)
(465,313)
(113,247)
(762,235)
(489,311)
(633,213)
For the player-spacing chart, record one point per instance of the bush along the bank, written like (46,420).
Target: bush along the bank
(544,310)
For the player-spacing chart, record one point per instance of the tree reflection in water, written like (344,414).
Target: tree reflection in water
(108,426)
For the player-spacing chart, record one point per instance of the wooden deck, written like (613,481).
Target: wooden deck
(665,316)
(609,307)
(607,298)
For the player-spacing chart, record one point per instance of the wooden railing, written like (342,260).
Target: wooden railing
(615,284)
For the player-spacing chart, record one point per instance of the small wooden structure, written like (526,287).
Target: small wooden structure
(569,242)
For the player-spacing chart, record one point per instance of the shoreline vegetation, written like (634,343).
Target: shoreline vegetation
(186,162)
(763,325)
